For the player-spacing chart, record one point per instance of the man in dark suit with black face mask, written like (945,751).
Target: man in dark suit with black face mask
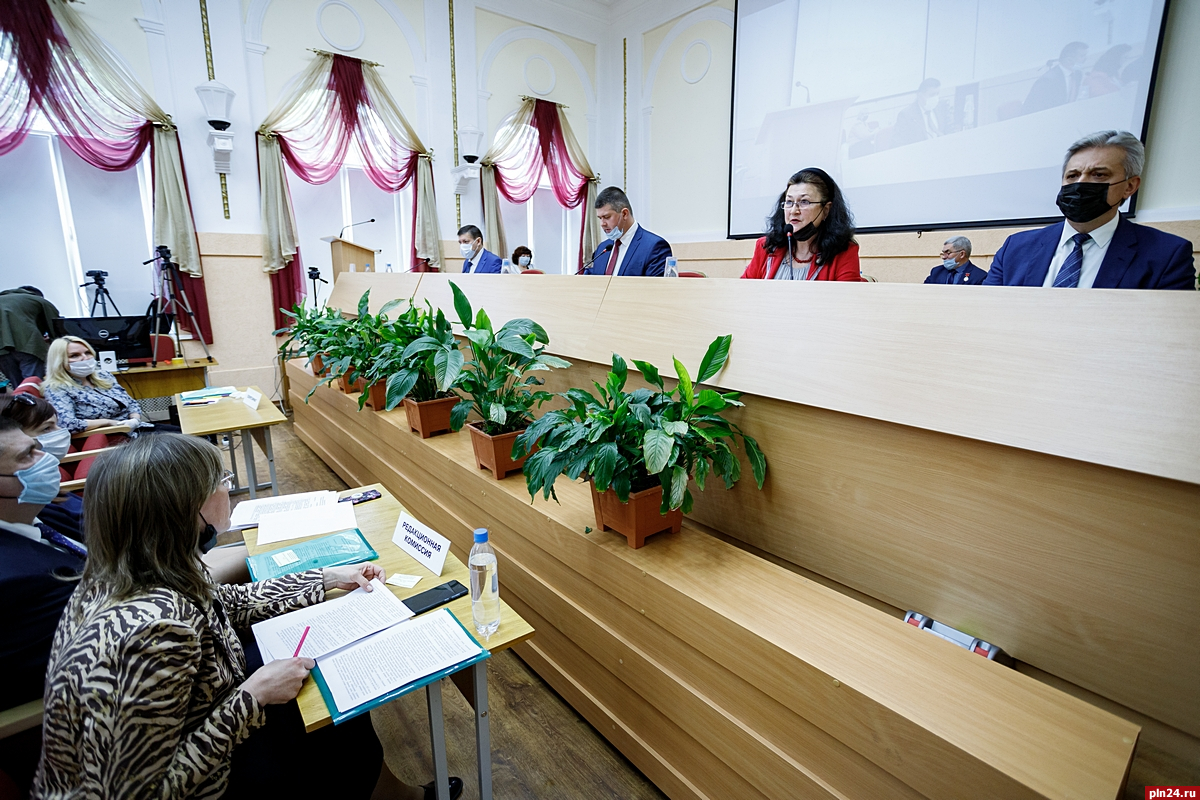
(1095,247)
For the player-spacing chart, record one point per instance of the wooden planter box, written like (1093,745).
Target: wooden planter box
(377,396)
(359,385)
(431,417)
(495,452)
(636,519)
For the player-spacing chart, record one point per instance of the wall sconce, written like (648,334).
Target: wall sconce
(217,99)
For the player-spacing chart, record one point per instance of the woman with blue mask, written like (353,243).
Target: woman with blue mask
(38,421)
(523,258)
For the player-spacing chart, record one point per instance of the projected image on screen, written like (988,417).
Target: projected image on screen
(931,112)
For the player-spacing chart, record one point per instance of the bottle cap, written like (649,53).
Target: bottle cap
(481,535)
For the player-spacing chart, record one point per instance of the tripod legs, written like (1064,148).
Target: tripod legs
(171,297)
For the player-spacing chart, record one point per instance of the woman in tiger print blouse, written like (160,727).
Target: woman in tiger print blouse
(147,692)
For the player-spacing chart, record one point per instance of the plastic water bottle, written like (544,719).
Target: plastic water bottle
(506,267)
(672,268)
(485,585)
(389,268)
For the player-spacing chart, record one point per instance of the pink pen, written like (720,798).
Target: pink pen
(303,636)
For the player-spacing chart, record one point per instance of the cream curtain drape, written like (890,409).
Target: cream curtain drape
(173,224)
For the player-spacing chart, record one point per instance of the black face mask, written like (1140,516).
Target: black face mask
(805,233)
(1083,202)
(208,539)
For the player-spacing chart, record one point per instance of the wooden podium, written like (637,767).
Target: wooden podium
(345,253)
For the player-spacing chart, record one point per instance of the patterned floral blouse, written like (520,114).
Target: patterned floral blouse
(144,696)
(79,403)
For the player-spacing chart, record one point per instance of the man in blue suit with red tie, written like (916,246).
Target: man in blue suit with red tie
(628,249)
(475,258)
(1095,247)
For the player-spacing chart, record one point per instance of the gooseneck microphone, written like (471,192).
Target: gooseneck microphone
(352,224)
(603,250)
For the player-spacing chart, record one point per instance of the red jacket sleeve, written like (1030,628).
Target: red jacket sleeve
(845,266)
(757,268)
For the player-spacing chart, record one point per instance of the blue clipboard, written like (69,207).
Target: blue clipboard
(341,716)
(335,550)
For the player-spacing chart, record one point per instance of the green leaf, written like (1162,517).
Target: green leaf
(447,366)
(758,462)
(399,384)
(714,359)
(422,345)
(620,371)
(363,303)
(462,306)
(685,383)
(650,373)
(390,304)
(710,399)
(515,344)
(553,361)
(497,413)
(540,472)
(701,471)
(603,464)
(675,428)
(482,321)
(656,448)
(688,500)
(480,337)
(458,414)
(679,482)
(641,412)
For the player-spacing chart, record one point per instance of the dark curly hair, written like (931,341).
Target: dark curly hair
(834,235)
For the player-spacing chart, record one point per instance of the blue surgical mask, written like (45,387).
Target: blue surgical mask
(39,483)
(523,261)
(949,263)
(613,235)
(56,442)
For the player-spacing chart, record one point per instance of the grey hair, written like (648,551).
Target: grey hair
(1135,151)
(960,243)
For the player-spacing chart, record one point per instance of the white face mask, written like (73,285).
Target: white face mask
(466,250)
(56,443)
(81,369)
(523,261)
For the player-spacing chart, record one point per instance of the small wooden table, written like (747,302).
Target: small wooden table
(230,414)
(166,378)
(377,521)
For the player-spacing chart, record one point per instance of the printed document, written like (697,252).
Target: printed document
(332,624)
(248,512)
(301,523)
(399,655)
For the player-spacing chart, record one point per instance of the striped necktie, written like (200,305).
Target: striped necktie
(1068,273)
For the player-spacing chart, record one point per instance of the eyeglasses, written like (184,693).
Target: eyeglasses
(226,479)
(804,205)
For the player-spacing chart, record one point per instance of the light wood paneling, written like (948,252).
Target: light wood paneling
(348,287)
(816,661)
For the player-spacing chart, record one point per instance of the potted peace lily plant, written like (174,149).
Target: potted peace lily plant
(497,376)
(355,349)
(420,365)
(311,332)
(639,449)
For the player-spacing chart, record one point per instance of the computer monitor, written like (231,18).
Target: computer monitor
(128,337)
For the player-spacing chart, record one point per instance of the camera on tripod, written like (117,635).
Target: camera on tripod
(98,275)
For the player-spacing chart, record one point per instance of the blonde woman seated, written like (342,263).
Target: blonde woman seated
(85,396)
(148,690)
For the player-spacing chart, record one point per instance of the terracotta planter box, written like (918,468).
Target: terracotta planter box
(350,388)
(495,452)
(377,396)
(431,417)
(636,519)
(318,366)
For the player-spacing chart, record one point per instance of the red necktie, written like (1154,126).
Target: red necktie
(612,258)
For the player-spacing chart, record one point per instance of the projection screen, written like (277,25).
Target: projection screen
(931,113)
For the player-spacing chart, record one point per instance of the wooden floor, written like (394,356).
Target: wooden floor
(541,748)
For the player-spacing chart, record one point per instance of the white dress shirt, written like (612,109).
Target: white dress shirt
(625,238)
(1093,252)
(28,531)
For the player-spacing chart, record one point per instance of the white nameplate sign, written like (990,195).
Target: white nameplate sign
(252,398)
(421,542)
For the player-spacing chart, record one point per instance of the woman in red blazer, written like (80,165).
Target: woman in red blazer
(813,216)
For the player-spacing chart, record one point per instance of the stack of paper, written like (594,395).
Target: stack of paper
(364,649)
(208,393)
(249,512)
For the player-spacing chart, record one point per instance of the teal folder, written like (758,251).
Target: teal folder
(336,550)
(341,716)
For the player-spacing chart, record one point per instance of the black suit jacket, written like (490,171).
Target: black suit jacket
(33,599)
(1048,91)
(969,274)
